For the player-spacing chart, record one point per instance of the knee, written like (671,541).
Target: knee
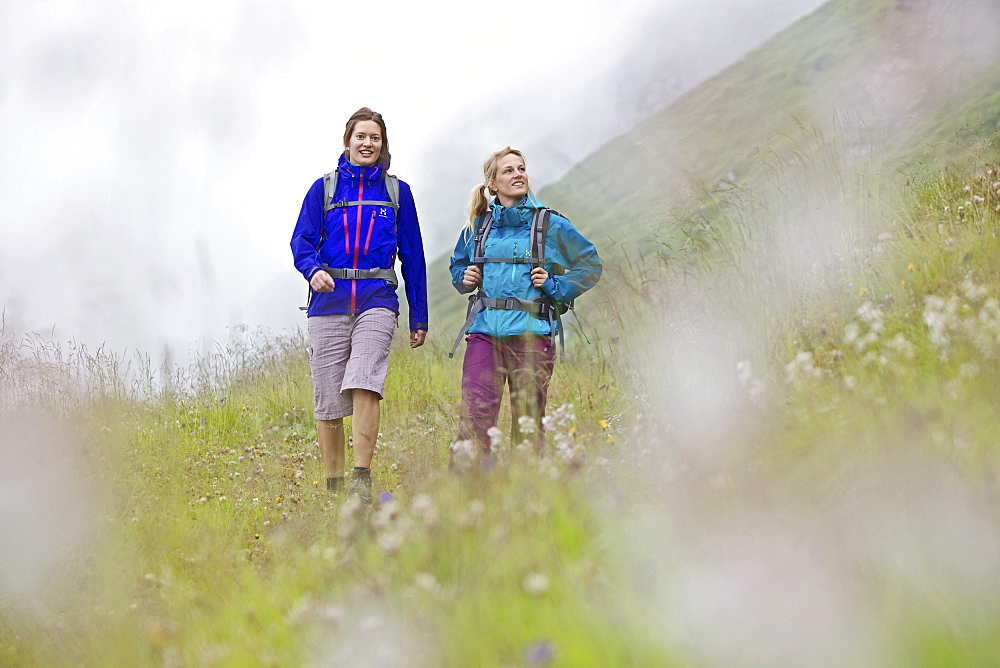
(359,395)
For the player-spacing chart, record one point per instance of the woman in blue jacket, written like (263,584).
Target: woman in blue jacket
(510,337)
(353,224)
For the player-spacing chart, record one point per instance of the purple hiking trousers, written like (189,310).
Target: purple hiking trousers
(524,363)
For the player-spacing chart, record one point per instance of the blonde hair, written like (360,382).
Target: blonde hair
(479,201)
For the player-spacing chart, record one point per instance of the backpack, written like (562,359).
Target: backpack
(543,307)
(329,190)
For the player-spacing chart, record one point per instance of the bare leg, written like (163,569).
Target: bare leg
(330,434)
(364,425)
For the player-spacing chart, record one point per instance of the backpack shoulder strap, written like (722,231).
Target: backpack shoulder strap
(329,190)
(539,231)
(483,226)
(392,185)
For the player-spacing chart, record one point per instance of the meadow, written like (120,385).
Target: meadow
(779,450)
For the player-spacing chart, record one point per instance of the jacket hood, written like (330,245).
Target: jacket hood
(354,172)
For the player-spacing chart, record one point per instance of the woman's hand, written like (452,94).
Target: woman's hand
(321,282)
(417,337)
(538,276)
(473,276)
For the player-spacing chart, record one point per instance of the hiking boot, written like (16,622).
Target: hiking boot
(361,485)
(335,485)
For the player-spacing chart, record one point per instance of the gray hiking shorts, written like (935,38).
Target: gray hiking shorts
(348,352)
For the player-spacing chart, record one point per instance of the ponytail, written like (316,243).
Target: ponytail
(477,206)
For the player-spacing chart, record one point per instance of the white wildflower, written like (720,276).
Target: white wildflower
(901,345)
(477,508)
(423,509)
(871,315)
(803,366)
(972,291)
(744,373)
(463,454)
(940,316)
(852,332)
(426,581)
(968,370)
(389,542)
(472,517)
(535,584)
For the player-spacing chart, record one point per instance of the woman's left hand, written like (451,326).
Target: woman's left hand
(538,276)
(417,337)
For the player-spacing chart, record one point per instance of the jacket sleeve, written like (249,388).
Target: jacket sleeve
(411,256)
(462,258)
(306,237)
(568,250)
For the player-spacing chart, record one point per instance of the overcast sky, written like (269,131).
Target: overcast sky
(154,156)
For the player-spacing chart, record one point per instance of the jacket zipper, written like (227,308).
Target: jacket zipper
(357,245)
(371,225)
(513,269)
(347,234)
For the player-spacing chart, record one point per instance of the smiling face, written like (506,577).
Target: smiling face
(364,146)
(511,180)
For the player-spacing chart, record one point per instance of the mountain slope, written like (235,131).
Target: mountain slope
(882,78)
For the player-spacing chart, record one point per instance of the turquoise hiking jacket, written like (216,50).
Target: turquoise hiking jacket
(570,259)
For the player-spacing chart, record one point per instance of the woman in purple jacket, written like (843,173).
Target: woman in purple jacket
(353,224)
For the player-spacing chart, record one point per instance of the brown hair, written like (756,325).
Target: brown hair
(479,202)
(366,114)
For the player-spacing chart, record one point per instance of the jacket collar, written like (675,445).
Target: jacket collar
(354,172)
(519,213)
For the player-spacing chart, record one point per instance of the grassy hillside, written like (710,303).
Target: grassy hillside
(886,80)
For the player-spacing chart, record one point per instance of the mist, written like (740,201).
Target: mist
(154,159)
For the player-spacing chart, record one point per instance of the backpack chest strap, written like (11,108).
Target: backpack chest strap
(509,260)
(344,204)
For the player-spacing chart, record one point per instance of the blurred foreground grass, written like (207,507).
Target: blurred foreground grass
(783,454)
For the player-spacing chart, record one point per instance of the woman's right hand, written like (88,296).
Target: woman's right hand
(473,276)
(321,282)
